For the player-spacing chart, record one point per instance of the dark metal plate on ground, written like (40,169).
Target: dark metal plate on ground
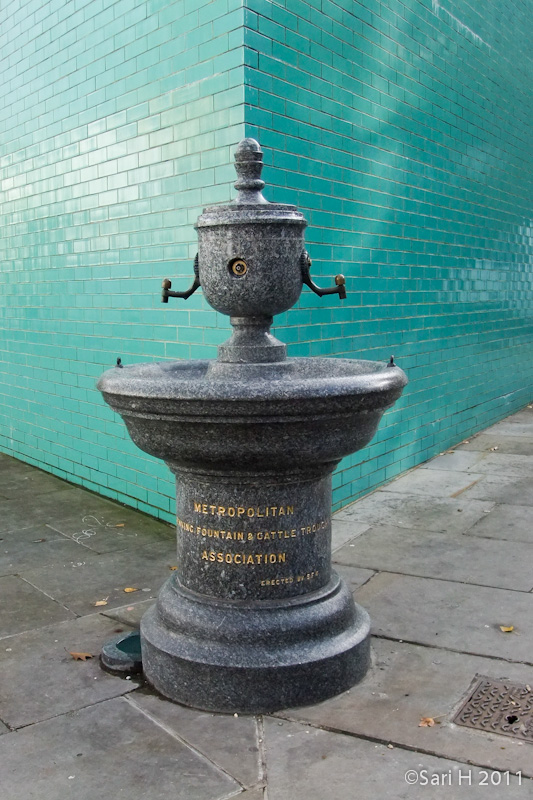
(499,707)
(122,655)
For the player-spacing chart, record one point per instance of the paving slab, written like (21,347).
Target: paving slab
(354,576)
(26,484)
(34,547)
(507,565)
(40,679)
(507,489)
(110,527)
(458,461)
(79,584)
(129,614)
(3,728)
(11,466)
(107,750)
(25,608)
(230,742)
(505,522)
(43,508)
(6,461)
(344,530)
(304,763)
(433,482)
(408,682)
(501,464)
(453,615)
(415,511)
(516,445)
(525,416)
(508,428)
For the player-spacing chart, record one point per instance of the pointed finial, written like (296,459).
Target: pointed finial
(248,165)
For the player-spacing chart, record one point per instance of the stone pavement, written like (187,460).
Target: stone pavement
(441,558)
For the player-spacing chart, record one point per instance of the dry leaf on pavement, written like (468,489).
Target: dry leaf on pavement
(101,602)
(507,628)
(130,589)
(426,722)
(81,656)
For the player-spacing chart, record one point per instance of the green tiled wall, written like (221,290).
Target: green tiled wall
(118,121)
(401,129)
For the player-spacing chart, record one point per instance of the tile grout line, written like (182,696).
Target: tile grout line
(63,621)
(433,578)
(397,745)
(261,749)
(22,578)
(499,538)
(414,643)
(71,711)
(70,538)
(175,735)
(371,578)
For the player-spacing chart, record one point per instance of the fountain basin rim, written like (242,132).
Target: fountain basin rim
(294,379)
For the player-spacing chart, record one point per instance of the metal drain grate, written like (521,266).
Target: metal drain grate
(499,707)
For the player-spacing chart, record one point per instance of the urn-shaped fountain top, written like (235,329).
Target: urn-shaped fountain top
(249,251)
(252,262)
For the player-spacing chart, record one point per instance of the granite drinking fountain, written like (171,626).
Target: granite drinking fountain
(254,619)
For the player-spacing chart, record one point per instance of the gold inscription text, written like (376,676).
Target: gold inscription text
(250,536)
(244,559)
(241,511)
(307,576)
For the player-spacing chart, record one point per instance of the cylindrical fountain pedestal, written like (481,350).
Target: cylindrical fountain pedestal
(254,619)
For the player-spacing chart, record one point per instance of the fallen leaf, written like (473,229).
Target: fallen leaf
(507,628)
(119,525)
(130,589)
(81,656)
(426,722)
(528,687)
(101,602)
(36,541)
(172,568)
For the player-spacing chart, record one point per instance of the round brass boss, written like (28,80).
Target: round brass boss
(238,267)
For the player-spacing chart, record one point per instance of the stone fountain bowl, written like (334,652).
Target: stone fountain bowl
(269,416)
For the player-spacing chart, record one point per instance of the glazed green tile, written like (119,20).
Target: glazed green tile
(418,145)
(99,217)
(401,132)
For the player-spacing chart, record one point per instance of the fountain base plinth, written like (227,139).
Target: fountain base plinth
(254,657)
